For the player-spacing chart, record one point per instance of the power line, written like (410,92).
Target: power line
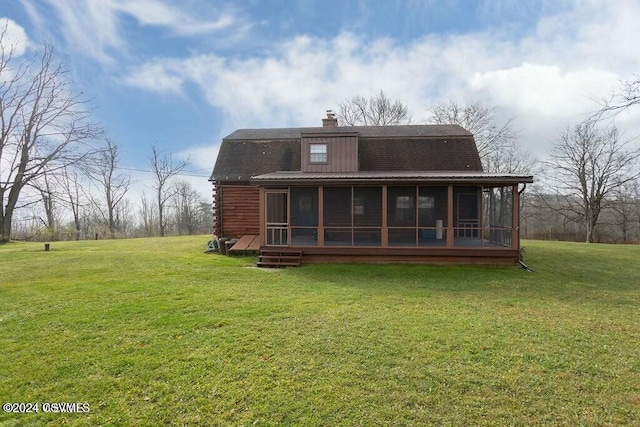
(150,171)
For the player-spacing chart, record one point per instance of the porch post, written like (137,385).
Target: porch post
(320,216)
(515,222)
(385,235)
(450,231)
(262,217)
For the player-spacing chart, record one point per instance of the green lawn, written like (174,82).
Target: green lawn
(154,332)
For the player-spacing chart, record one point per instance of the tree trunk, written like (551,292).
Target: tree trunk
(5,228)
(160,212)
(12,201)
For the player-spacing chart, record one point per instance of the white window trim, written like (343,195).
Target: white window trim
(324,150)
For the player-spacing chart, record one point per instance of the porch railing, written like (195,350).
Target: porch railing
(277,235)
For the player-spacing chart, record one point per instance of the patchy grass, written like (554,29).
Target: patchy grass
(154,332)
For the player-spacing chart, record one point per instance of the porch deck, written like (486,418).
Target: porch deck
(247,243)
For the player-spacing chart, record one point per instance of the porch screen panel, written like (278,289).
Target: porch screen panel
(432,206)
(304,216)
(337,207)
(502,207)
(401,215)
(467,216)
(367,236)
(304,206)
(401,206)
(432,216)
(500,212)
(337,220)
(367,206)
(277,211)
(402,237)
(367,216)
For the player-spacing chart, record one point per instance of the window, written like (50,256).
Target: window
(426,202)
(318,153)
(305,204)
(401,206)
(358,205)
(403,202)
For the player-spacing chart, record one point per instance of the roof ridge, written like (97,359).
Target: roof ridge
(417,130)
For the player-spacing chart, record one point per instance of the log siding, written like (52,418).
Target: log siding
(240,210)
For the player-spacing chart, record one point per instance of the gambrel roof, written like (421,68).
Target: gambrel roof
(248,153)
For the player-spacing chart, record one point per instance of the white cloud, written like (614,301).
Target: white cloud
(544,79)
(96,29)
(14,36)
(545,90)
(200,158)
(155,77)
(155,12)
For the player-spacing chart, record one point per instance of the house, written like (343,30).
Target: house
(411,193)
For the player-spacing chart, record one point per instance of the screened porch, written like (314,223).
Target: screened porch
(387,216)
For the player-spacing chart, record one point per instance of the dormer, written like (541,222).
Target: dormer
(329,152)
(333,149)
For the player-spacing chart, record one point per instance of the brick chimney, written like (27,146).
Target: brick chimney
(331,121)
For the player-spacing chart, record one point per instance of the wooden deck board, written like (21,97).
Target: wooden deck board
(248,242)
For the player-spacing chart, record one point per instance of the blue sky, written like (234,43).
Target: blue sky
(181,75)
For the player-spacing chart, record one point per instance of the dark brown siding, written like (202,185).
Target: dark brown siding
(342,154)
(240,210)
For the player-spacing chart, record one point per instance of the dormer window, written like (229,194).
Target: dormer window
(318,153)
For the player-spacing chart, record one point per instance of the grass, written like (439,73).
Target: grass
(154,332)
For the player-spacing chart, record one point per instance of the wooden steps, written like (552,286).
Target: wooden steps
(279,257)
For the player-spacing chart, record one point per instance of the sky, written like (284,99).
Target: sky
(182,75)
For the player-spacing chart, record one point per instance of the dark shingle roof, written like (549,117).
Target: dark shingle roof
(240,160)
(363,132)
(251,152)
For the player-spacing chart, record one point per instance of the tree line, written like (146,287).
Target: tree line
(61,172)
(588,187)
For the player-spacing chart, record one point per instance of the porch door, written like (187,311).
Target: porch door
(277,215)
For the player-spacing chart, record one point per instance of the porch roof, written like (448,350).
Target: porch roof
(388,177)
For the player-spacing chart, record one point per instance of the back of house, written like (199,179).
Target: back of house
(409,193)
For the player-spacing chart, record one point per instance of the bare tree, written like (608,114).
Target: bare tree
(188,204)
(112,185)
(493,141)
(589,163)
(379,110)
(163,169)
(628,96)
(148,216)
(48,196)
(511,159)
(625,212)
(73,191)
(43,124)
(125,218)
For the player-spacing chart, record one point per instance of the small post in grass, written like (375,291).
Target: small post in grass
(47,247)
